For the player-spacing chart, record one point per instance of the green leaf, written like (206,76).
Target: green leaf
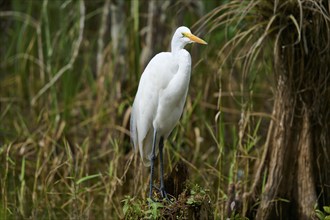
(327,209)
(21,178)
(319,214)
(11,161)
(190,201)
(125,208)
(327,217)
(284,200)
(87,178)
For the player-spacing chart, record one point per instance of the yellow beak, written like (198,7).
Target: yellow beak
(194,38)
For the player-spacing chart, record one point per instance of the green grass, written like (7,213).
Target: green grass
(65,149)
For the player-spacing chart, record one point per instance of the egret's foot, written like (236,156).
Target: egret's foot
(164,195)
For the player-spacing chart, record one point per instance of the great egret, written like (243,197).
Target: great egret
(159,101)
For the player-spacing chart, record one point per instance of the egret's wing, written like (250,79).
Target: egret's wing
(133,128)
(154,79)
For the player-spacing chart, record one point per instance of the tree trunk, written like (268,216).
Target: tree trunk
(298,155)
(290,183)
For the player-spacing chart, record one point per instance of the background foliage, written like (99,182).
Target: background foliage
(69,73)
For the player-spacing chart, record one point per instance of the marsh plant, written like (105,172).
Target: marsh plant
(254,132)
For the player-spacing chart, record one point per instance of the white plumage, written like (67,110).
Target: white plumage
(161,96)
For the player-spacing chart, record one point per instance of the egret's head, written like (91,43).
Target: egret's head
(182,37)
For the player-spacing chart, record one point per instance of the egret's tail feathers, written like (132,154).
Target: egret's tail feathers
(145,147)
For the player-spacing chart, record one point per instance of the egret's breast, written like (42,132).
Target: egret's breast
(173,96)
(161,70)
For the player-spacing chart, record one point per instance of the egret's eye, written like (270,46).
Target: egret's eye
(184,35)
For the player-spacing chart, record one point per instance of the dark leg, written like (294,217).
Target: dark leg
(153,157)
(162,186)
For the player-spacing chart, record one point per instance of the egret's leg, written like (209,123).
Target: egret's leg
(162,186)
(153,157)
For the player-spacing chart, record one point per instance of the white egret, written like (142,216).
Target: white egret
(159,101)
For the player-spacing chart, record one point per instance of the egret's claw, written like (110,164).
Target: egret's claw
(164,195)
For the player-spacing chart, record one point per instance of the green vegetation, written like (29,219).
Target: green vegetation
(69,71)
(195,204)
(325,215)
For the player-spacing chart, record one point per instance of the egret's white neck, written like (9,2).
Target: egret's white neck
(177,45)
